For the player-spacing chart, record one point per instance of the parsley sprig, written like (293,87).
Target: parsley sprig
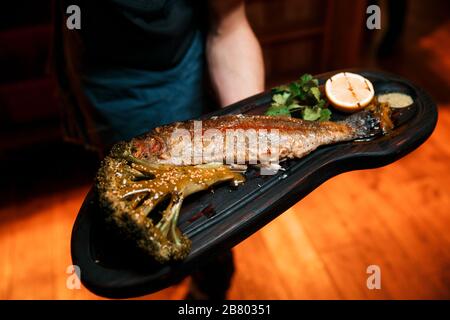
(302,95)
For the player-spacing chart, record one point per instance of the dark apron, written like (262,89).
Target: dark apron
(132,101)
(106,104)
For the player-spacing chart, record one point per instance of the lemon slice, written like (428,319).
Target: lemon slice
(349,92)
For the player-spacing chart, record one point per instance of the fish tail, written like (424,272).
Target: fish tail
(374,120)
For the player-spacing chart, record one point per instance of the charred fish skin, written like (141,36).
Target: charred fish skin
(296,138)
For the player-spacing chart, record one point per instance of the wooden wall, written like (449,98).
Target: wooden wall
(307,36)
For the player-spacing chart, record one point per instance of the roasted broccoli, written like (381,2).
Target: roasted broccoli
(132,191)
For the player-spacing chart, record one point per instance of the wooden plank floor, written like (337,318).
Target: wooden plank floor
(396,217)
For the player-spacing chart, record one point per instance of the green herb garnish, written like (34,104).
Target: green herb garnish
(302,95)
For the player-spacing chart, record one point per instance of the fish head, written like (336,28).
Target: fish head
(151,148)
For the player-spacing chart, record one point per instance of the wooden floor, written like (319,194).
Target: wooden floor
(396,217)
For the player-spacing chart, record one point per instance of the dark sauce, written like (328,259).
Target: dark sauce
(207,212)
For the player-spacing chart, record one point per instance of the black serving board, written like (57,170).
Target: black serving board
(217,221)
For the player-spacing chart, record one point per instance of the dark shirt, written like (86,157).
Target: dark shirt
(143,34)
(134,64)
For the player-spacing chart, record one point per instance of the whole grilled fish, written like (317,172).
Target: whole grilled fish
(217,139)
(142,183)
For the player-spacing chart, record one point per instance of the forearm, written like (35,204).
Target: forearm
(234,57)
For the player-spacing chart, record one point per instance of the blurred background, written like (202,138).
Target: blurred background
(397,217)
